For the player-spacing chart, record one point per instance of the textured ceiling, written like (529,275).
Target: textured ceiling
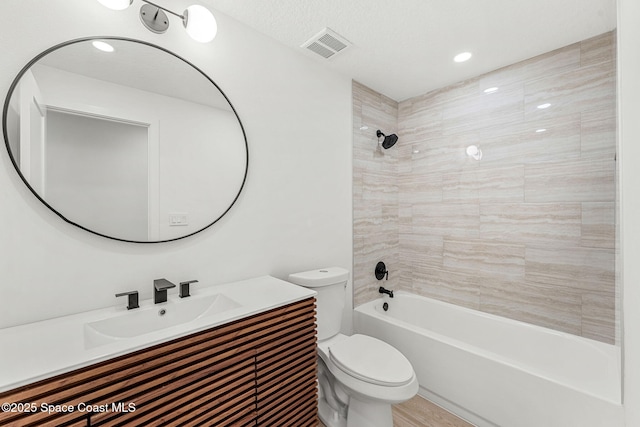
(404,48)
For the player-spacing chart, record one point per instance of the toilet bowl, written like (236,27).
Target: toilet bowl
(359,376)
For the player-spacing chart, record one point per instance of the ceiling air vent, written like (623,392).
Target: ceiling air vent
(326,43)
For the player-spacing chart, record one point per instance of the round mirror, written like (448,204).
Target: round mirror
(125,139)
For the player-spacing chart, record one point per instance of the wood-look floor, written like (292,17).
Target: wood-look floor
(419,412)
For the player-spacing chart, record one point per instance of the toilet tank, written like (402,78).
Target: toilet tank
(330,284)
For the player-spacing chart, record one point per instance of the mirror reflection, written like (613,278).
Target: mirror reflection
(125,139)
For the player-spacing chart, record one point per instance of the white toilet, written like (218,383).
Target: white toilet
(359,376)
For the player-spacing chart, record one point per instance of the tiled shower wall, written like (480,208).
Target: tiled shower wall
(527,232)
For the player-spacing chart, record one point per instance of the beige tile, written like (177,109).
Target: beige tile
(598,316)
(529,231)
(470,109)
(422,252)
(447,285)
(570,181)
(528,223)
(420,187)
(598,134)
(492,258)
(461,186)
(548,306)
(501,184)
(446,219)
(583,89)
(598,225)
(552,63)
(598,49)
(587,269)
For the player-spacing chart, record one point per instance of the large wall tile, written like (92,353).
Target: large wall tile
(590,180)
(549,306)
(587,269)
(485,257)
(528,232)
(532,222)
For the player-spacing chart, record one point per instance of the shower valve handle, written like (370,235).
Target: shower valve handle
(381,271)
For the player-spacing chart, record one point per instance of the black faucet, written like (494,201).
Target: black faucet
(385,291)
(160,287)
(132,299)
(184,288)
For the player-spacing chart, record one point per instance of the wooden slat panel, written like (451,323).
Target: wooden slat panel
(206,380)
(210,375)
(286,373)
(102,392)
(304,415)
(268,392)
(287,409)
(277,366)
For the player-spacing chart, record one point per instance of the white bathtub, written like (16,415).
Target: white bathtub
(494,371)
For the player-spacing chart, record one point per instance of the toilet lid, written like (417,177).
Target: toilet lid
(371,360)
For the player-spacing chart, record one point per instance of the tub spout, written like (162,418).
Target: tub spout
(385,291)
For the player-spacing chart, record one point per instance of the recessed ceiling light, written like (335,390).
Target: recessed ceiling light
(461,57)
(491,90)
(105,47)
(543,106)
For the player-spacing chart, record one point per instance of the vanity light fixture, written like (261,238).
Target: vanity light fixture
(197,20)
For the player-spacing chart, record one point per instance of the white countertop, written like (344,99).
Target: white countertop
(40,350)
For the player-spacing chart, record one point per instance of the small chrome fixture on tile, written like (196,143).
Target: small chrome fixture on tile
(474,152)
(388,141)
(197,20)
(381,271)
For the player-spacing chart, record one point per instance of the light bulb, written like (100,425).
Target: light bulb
(116,4)
(200,23)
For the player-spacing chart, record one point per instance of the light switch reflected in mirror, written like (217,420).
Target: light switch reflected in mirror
(117,142)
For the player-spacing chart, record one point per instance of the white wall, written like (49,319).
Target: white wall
(629,110)
(295,211)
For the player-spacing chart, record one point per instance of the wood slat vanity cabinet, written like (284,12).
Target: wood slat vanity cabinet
(256,371)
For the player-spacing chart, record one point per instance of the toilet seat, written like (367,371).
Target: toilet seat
(371,360)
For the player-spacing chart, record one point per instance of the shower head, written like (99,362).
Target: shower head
(388,141)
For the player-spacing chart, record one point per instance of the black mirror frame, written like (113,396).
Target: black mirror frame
(84,39)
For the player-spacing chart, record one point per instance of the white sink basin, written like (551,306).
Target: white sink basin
(150,319)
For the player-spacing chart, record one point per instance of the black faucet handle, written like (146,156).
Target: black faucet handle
(132,300)
(162,284)
(184,288)
(381,271)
